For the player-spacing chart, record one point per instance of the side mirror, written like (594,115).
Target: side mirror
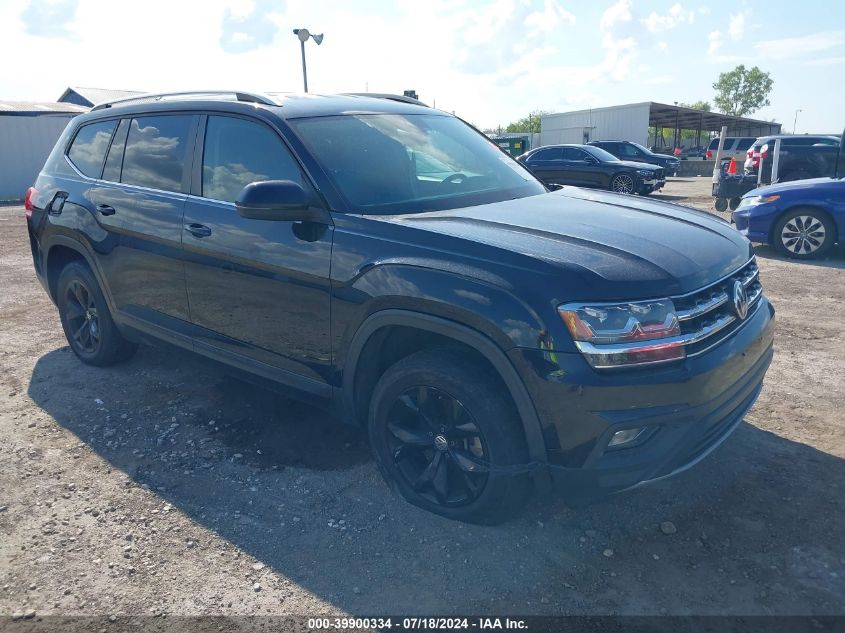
(281,200)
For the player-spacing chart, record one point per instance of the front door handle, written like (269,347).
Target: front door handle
(105,209)
(198,230)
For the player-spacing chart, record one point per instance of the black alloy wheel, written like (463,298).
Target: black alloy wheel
(82,317)
(437,447)
(86,319)
(447,437)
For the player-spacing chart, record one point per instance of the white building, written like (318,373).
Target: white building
(631,122)
(28,132)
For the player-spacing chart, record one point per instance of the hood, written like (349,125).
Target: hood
(799,185)
(604,246)
(635,165)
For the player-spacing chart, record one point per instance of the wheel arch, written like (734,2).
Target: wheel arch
(61,251)
(461,334)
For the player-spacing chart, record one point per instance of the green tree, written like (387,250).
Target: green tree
(697,105)
(530,123)
(742,91)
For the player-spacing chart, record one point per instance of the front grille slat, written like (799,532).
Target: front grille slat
(700,310)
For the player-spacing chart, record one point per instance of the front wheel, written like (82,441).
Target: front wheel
(86,320)
(623,183)
(448,439)
(804,234)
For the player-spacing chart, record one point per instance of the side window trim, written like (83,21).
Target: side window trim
(122,152)
(66,151)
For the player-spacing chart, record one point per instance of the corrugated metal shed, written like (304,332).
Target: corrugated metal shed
(90,97)
(628,122)
(28,132)
(30,108)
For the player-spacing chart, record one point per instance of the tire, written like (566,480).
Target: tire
(438,423)
(721,204)
(86,320)
(733,203)
(623,183)
(804,233)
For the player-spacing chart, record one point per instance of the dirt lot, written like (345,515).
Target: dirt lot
(162,486)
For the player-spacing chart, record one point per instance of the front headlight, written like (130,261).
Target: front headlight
(753,201)
(615,335)
(645,173)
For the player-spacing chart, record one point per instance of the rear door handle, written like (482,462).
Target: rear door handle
(105,209)
(198,230)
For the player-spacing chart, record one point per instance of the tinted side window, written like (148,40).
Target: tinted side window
(628,150)
(550,153)
(238,152)
(573,153)
(114,161)
(156,151)
(88,150)
(744,144)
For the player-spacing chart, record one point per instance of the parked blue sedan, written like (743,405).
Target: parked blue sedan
(801,219)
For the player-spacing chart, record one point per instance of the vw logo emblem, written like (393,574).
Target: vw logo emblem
(441,443)
(740,300)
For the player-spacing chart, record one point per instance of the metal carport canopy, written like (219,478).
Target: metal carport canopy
(662,115)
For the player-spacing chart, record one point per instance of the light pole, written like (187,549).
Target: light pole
(303,35)
(795,123)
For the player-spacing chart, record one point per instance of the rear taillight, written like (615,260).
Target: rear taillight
(708,154)
(28,203)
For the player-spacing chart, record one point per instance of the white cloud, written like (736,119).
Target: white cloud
(736,25)
(827,61)
(715,41)
(790,47)
(549,18)
(615,14)
(676,16)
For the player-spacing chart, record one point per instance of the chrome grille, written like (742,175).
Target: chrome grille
(707,316)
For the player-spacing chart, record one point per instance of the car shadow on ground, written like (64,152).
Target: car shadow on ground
(834,259)
(753,528)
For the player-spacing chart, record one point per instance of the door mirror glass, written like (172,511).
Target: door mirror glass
(276,200)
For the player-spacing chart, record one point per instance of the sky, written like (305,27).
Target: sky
(491,62)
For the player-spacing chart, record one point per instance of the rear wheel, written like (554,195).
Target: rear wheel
(86,320)
(804,234)
(444,434)
(623,183)
(734,203)
(721,204)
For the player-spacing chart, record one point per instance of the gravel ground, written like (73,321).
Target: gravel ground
(162,486)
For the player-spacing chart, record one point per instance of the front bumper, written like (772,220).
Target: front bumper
(756,222)
(687,409)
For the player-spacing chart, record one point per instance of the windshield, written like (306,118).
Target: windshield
(602,155)
(397,163)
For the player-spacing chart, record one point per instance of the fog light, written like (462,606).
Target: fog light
(624,437)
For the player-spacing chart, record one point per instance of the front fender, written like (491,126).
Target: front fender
(477,303)
(527,412)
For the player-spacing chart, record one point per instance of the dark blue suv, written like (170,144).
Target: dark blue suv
(387,259)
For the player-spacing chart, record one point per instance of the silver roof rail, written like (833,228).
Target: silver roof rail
(248,97)
(385,95)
